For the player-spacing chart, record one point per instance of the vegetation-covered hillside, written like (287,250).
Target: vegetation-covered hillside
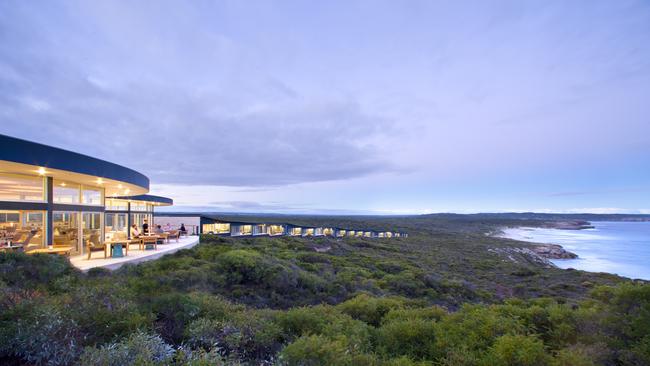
(447,295)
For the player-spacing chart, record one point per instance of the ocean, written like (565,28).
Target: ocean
(622,248)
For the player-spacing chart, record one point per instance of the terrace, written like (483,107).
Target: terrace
(135,255)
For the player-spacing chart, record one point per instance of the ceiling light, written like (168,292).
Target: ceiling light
(119,186)
(62,184)
(100,181)
(41,171)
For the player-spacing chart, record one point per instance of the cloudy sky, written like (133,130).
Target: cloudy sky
(343,106)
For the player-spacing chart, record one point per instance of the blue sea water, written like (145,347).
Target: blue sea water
(615,247)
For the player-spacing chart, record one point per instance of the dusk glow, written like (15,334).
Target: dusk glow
(343,107)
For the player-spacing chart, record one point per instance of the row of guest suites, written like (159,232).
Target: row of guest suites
(54,197)
(202,224)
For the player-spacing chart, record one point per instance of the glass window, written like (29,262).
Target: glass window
(276,229)
(24,228)
(115,226)
(139,220)
(65,230)
(216,228)
(66,192)
(296,231)
(139,206)
(242,230)
(259,229)
(18,187)
(91,196)
(116,205)
(92,228)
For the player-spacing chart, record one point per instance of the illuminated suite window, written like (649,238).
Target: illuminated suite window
(18,187)
(296,231)
(243,230)
(66,192)
(66,229)
(91,196)
(137,206)
(216,228)
(276,229)
(116,226)
(23,227)
(139,219)
(116,205)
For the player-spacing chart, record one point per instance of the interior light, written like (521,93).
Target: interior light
(119,186)
(62,184)
(100,181)
(41,171)
(126,191)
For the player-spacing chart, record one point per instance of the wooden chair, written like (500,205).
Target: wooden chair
(173,234)
(93,245)
(163,238)
(24,239)
(149,240)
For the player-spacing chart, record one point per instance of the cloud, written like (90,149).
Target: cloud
(477,103)
(259,132)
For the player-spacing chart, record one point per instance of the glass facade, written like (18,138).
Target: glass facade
(92,196)
(66,193)
(242,230)
(139,218)
(216,228)
(70,193)
(18,187)
(295,231)
(308,232)
(92,228)
(138,206)
(276,229)
(116,205)
(26,228)
(65,230)
(116,226)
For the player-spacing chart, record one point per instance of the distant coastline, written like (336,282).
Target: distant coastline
(619,247)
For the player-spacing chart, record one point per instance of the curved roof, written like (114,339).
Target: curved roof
(157,200)
(21,156)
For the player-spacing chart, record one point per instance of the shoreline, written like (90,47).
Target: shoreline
(545,250)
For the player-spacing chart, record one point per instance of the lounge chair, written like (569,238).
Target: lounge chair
(173,234)
(93,245)
(146,240)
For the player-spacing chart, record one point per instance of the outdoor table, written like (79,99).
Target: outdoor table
(6,248)
(54,250)
(149,239)
(109,245)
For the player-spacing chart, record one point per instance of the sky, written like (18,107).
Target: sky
(343,107)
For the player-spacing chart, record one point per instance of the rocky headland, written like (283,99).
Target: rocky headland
(568,225)
(553,251)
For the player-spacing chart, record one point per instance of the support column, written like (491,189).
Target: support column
(49,187)
(128,220)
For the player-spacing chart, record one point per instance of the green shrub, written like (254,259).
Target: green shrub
(427,313)
(45,337)
(414,338)
(474,328)
(316,350)
(138,349)
(516,350)
(370,309)
(572,357)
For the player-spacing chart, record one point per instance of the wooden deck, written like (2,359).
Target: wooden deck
(135,256)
